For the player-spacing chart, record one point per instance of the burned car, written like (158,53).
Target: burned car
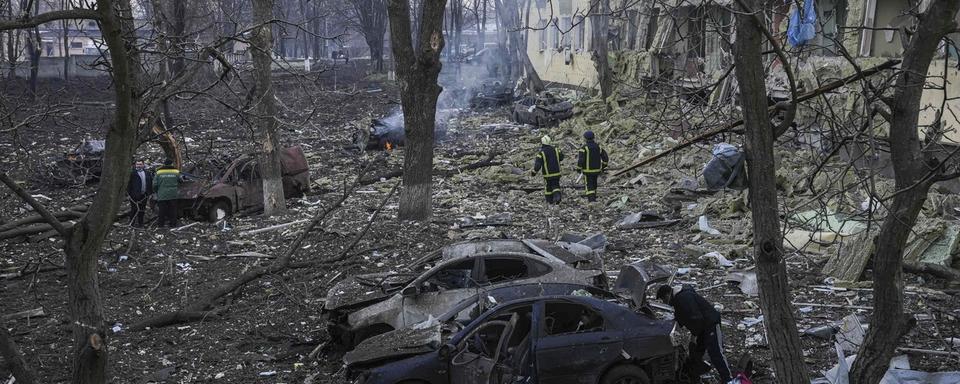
(491,94)
(239,186)
(84,162)
(541,111)
(547,339)
(366,305)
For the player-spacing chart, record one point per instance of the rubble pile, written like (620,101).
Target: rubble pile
(274,327)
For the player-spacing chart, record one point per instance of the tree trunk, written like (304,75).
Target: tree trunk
(177,35)
(266,109)
(781,328)
(887,322)
(418,66)
(84,243)
(482,26)
(14,360)
(508,13)
(600,24)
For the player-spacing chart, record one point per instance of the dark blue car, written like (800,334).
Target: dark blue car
(546,339)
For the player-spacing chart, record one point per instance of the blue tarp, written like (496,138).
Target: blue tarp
(803,27)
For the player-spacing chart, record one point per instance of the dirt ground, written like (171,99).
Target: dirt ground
(270,326)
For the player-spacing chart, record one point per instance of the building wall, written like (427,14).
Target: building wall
(560,48)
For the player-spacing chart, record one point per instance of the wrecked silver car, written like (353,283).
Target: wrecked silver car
(366,305)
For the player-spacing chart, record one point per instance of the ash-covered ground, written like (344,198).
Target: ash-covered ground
(269,327)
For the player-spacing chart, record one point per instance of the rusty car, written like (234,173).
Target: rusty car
(546,339)
(542,110)
(239,186)
(362,306)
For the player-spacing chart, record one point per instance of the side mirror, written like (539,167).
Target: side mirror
(410,291)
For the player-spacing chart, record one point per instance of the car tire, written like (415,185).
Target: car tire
(626,374)
(218,210)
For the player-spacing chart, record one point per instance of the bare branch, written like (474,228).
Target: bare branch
(62,230)
(70,14)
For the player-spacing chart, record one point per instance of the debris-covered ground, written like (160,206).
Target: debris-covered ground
(483,190)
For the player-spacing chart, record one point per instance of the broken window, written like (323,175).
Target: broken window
(580,32)
(542,32)
(565,27)
(455,276)
(249,172)
(493,340)
(633,27)
(564,317)
(500,269)
(555,28)
(651,26)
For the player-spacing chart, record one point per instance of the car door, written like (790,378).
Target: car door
(494,351)
(249,185)
(574,344)
(441,289)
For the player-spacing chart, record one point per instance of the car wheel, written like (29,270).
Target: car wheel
(626,374)
(219,210)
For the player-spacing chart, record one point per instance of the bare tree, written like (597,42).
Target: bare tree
(915,171)
(508,18)
(84,240)
(775,300)
(417,58)
(266,109)
(371,16)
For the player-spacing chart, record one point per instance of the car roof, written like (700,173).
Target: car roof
(556,290)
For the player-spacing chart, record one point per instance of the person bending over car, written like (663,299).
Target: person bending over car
(698,315)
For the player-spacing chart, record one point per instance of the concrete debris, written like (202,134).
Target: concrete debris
(850,333)
(646,219)
(704,226)
(747,281)
(717,259)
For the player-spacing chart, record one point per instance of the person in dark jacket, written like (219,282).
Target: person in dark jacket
(591,160)
(139,189)
(696,314)
(548,162)
(165,183)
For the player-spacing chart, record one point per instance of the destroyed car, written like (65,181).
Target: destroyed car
(542,111)
(366,305)
(85,160)
(402,343)
(491,94)
(240,187)
(547,339)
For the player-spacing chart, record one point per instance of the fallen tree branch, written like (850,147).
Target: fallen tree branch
(730,126)
(70,213)
(272,228)
(14,360)
(201,308)
(36,312)
(54,223)
(932,269)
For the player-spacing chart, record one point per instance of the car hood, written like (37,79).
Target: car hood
(394,345)
(365,289)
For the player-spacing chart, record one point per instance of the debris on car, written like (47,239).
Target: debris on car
(366,305)
(418,338)
(543,110)
(544,339)
(491,94)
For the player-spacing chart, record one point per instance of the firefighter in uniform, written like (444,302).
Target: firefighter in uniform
(591,160)
(548,160)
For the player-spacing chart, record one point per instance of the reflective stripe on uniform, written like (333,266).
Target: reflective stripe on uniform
(586,162)
(546,165)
